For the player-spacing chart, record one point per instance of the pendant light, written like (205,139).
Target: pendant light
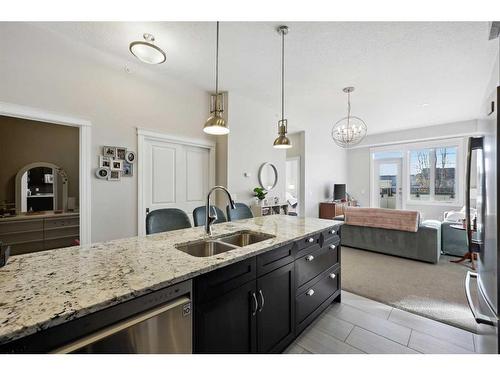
(282,141)
(146,51)
(350,130)
(215,124)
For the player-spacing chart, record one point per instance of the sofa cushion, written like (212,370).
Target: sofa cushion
(382,218)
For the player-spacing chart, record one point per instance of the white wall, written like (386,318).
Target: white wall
(114,101)
(358,160)
(250,144)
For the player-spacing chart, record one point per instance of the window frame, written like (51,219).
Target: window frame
(405,149)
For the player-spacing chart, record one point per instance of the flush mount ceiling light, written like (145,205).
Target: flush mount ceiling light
(215,124)
(146,51)
(350,130)
(282,141)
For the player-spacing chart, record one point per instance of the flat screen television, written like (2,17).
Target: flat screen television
(339,192)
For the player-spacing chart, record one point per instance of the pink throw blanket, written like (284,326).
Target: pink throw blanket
(382,218)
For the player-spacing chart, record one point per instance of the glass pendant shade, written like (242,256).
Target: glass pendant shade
(350,130)
(146,51)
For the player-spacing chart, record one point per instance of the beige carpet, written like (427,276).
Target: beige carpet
(435,291)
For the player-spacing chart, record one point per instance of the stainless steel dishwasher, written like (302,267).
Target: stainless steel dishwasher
(163,329)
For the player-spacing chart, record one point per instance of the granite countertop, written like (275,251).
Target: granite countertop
(45,289)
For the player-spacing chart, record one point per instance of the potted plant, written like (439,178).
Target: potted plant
(260,194)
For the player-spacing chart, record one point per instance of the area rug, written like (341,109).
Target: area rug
(435,291)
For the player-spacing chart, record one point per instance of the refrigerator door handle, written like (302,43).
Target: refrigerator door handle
(467,196)
(480,318)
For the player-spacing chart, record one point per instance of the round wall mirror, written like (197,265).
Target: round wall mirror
(268,176)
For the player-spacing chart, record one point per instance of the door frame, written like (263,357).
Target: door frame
(299,190)
(144,135)
(375,199)
(85,143)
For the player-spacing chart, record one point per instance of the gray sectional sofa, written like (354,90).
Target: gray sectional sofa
(423,245)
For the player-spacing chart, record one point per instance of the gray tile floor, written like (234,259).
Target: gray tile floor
(361,325)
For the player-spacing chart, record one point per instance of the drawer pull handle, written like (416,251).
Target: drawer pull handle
(332,231)
(310,240)
(310,292)
(332,276)
(332,247)
(309,258)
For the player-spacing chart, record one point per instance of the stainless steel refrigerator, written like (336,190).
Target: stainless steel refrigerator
(484,241)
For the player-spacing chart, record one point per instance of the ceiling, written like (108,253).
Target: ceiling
(406,74)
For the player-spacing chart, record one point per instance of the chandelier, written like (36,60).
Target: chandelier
(350,130)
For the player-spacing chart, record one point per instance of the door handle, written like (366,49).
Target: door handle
(310,292)
(467,197)
(332,276)
(310,240)
(256,304)
(332,247)
(309,258)
(261,299)
(480,318)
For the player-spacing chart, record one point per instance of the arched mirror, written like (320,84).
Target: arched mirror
(41,186)
(268,176)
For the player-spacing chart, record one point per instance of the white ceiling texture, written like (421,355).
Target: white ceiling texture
(406,74)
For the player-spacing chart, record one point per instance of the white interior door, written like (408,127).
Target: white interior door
(175,174)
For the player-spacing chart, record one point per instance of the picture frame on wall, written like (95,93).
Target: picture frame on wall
(105,161)
(130,156)
(114,176)
(116,165)
(128,169)
(102,173)
(120,153)
(109,151)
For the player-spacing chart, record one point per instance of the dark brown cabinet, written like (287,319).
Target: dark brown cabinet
(227,324)
(276,312)
(258,316)
(259,305)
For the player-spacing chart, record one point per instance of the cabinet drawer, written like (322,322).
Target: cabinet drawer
(27,247)
(316,262)
(61,222)
(306,242)
(56,243)
(16,226)
(330,234)
(311,298)
(60,232)
(223,280)
(21,237)
(275,259)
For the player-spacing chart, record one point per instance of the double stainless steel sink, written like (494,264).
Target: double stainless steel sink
(211,247)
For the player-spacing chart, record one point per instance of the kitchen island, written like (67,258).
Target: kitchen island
(46,290)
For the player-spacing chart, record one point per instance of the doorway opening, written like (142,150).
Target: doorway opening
(295,174)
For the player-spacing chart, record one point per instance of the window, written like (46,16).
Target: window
(417,173)
(420,176)
(433,174)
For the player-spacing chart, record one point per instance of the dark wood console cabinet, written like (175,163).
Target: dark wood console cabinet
(261,304)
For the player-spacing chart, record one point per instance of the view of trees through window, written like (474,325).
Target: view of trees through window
(433,174)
